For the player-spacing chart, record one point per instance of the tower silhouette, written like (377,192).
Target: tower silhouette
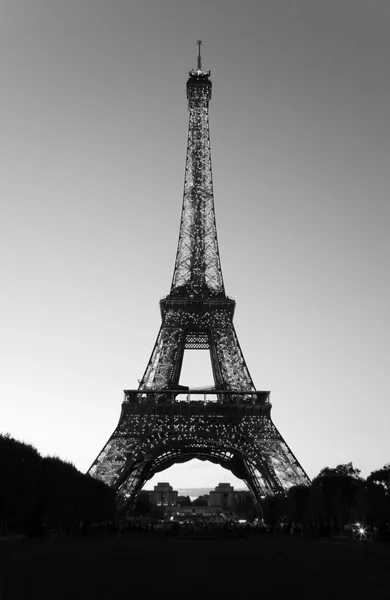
(162,422)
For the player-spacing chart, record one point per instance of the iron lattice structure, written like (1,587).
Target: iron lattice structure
(162,422)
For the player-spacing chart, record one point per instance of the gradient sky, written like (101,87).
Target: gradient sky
(94,121)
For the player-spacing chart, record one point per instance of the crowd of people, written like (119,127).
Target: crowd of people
(211,529)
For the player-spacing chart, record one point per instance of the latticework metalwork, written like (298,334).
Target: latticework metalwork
(194,324)
(231,424)
(159,428)
(198,267)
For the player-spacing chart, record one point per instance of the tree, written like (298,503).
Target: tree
(58,492)
(143,505)
(298,505)
(20,466)
(184,501)
(36,490)
(275,509)
(378,496)
(381,477)
(202,500)
(346,470)
(245,507)
(336,497)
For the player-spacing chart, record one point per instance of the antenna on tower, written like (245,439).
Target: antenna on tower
(199,42)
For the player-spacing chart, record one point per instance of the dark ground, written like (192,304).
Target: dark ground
(255,567)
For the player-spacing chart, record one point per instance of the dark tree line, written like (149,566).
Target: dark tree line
(336,498)
(37,491)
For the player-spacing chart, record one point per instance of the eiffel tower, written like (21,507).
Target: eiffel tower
(162,422)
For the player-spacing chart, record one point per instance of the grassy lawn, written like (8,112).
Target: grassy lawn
(75,567)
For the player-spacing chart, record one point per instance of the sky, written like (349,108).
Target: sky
(94,120)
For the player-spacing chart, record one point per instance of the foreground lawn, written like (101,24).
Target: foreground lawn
(104,568)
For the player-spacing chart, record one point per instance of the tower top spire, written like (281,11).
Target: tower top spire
(198,72)
(199,42)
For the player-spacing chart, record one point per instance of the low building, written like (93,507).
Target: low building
(222,496)
(163,495)
(225,498)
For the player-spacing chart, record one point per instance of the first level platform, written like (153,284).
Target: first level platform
(196,402)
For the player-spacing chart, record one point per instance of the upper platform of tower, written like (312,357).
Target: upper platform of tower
(199,85)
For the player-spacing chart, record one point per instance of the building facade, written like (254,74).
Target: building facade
(163,494)
(226,498)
